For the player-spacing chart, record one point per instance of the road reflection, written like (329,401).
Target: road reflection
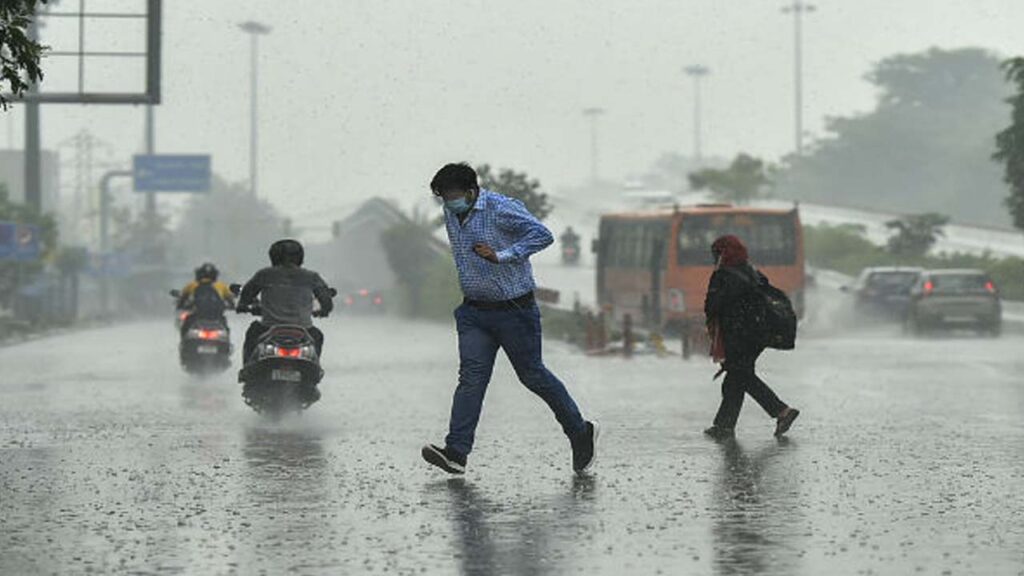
(754,530)
(285,486)
(521,536)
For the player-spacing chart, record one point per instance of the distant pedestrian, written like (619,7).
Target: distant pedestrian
(492,238)
(733,309)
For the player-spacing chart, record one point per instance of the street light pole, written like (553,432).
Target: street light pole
(798,8)
(697,72)
(593,114)
(255,30)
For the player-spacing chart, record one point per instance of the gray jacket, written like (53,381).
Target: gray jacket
(286,295)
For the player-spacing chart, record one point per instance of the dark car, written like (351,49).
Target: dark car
(884,291)
(363,301)
(953,299)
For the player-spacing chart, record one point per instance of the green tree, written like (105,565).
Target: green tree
(926,146)
(915,234)
(744,180)
(19,54)
(1010,144)
(228,227)
(517,185)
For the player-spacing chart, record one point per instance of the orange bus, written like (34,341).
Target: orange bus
(655,266)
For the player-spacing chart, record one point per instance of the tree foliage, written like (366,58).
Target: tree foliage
(924,147)
(744,180)
(19,54)
(1010,144)
(915,234)
(229,228)
(517,185)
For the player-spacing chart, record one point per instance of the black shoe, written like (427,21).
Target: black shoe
(720,433)
(785,420)
(444,458)
(584,448)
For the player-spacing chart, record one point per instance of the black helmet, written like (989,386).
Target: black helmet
(286,251)
(207,272)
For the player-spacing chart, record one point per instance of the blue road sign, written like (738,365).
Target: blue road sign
(171,173)
(20,242)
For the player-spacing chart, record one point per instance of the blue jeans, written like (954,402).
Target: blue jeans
(518,333)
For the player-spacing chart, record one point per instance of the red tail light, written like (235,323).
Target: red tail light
(364,292)
(378,300)
(348,300)
(209,334)
(289,352)
(990,287)
(929,287)
(182,316)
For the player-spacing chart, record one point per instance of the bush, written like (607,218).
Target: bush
(845,249)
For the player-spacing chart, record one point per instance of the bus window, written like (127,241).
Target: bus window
(770,238)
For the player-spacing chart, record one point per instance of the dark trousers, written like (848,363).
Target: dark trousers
(257,329)
(740,379)
(518,333)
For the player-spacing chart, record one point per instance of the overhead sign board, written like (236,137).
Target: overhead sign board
(20,242)
(171,172)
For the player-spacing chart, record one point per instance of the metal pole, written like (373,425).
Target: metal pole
(798,80)
(253,117)
(254,29)
(697,72)
(105,234)
(593,114)
(33,187)
(150,149)
(798,9)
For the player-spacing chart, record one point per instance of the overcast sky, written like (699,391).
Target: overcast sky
(365,97)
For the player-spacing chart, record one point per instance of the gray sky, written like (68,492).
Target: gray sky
(369,97)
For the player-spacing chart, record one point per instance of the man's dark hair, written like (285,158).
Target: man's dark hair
(454,177)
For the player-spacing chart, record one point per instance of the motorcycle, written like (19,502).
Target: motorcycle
(570,254)
(284,369)
(205,346)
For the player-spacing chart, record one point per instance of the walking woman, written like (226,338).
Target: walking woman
(733,309)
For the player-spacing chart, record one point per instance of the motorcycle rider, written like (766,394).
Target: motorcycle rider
(205,298)
(286,291)
(570,239)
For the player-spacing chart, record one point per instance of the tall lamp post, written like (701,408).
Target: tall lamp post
(697,72)
(593,114)
(798,8)
(254,30)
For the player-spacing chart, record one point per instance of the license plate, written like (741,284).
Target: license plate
(286,375)
(207,349)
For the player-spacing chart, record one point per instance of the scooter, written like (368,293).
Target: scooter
(205,346)
(283,371)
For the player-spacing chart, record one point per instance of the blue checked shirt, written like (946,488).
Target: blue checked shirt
(505,225)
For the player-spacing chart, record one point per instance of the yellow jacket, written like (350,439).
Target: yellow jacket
(222,290)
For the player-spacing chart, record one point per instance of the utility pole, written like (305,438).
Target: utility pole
(593,114)
(33,144)
(254,30)
(150,150)
(798,8)
(697,72)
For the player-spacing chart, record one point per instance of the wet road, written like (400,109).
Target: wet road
(908,458)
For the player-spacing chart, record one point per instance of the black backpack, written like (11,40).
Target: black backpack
(780,318)
(774,319)
(207,302)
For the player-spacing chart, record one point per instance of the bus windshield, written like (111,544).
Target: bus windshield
(770,238)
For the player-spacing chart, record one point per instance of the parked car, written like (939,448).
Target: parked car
(955,298)
(363,301)
(884,290)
